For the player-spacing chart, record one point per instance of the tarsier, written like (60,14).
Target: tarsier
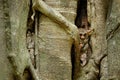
(85,48)
(84,32)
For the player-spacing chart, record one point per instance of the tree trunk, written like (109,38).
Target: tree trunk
(55,44)
(5,67)
(113,37)
(16,13)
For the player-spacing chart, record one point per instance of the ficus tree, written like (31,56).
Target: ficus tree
(56,40)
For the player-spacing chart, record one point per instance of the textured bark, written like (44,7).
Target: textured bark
(5,67)
(70,28)
(17,29)
(56,37)
(113,36)
(99,43)
(16,38)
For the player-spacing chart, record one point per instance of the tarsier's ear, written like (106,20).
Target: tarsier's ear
(90,32)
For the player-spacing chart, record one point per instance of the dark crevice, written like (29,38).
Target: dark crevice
(30,22)
(36,29)
(113,32)
(30,33)
(72,59)
(81,20)
(27,75)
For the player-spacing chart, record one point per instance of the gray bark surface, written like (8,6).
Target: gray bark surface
(5,67)
(14,20)
(113,36)
(55,44)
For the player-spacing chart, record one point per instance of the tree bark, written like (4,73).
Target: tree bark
(113,37)
(16,38)
(50,35)
(5,67)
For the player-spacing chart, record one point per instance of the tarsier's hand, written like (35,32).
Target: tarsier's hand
(80,46)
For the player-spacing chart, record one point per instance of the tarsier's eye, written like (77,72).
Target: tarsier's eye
(80,34)
(83,26)
(84,34)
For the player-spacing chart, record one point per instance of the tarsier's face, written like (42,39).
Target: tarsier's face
(84,34)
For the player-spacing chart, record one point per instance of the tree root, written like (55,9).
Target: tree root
(33,72)
(54,15)
(70,28)
(19,68)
